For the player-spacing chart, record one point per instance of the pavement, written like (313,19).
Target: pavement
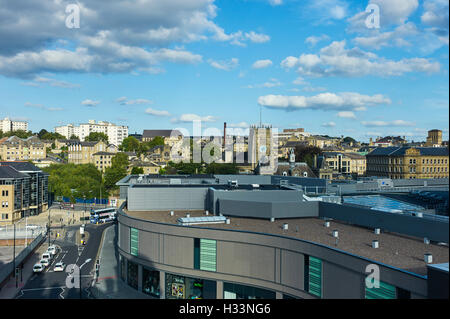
(108,284)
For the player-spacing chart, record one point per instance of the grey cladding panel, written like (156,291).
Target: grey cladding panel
(292,269)
(179,251)
(246,260)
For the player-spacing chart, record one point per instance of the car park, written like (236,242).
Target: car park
(37,268)
(60,266)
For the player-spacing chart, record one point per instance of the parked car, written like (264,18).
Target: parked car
(37,268)
(59,266)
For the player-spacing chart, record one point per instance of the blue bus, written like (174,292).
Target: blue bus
(100,216)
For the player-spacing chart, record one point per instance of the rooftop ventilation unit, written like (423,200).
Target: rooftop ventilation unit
(171,213)
(428,258)
(335,234)
(426,241)
(285,226)
(272,219)
(206,213)
(375,244)
(326,224)
(377,231)
(188,215)
(186,221)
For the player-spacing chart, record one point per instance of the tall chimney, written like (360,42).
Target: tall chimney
(224,133)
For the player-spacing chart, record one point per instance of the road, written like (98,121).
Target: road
(52,285)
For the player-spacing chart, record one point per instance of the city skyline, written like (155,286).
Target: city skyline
(310,64)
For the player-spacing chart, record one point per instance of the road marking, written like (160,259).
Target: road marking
(46,288)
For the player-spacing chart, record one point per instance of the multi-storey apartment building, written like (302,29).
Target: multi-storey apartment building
(23,191)
(116,133)
(408,162)
(16,149)
(83,152)
(7,125)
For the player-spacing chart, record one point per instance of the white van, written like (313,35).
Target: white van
(47,255)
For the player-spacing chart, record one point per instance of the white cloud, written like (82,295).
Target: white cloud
(224,65)
(322,101)
(187,118)
(269,84)
(261,64)
(238,125)
(300,81)
(392,12)
(124,101)
(347,115)
(89,102)
(387,123)
(39,81)
(329,124)
(313,40)
(336,60)
(276,2)
(43,107)
(117,38)
(154,112)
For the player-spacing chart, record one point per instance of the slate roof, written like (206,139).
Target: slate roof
(21,166)
(7,172)
(400,151)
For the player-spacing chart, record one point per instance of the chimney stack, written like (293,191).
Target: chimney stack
(224,133)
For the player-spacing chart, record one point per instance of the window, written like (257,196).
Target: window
(313,275)
(179,287)
(132,274)
(205,254)
(150,282)
(134,241)
(385,291)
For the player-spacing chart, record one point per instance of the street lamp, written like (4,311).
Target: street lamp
(84,199)
(87,260)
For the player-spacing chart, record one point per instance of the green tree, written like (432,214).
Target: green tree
(137,171)
(97,136)
(74,137)
(117,171)
(306,154)
(129,144)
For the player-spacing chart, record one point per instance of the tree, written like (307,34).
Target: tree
(129,144)
(41,133)
(306,154)
(349,140)
(97,136)
(74,137)
(49,136)
(117,171)
(222,168)
(137,171)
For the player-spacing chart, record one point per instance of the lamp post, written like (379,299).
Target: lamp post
(84,199)
(87,260)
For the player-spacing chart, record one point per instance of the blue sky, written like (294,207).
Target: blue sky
(160,64)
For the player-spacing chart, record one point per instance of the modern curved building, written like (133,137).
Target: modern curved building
(267,241)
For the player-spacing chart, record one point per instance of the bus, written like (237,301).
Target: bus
(100,216)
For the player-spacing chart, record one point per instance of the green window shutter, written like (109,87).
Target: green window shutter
(134,241)
(385,291)
(315,276)
(208,254)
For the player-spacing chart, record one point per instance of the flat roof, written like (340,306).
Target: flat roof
(400,251)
